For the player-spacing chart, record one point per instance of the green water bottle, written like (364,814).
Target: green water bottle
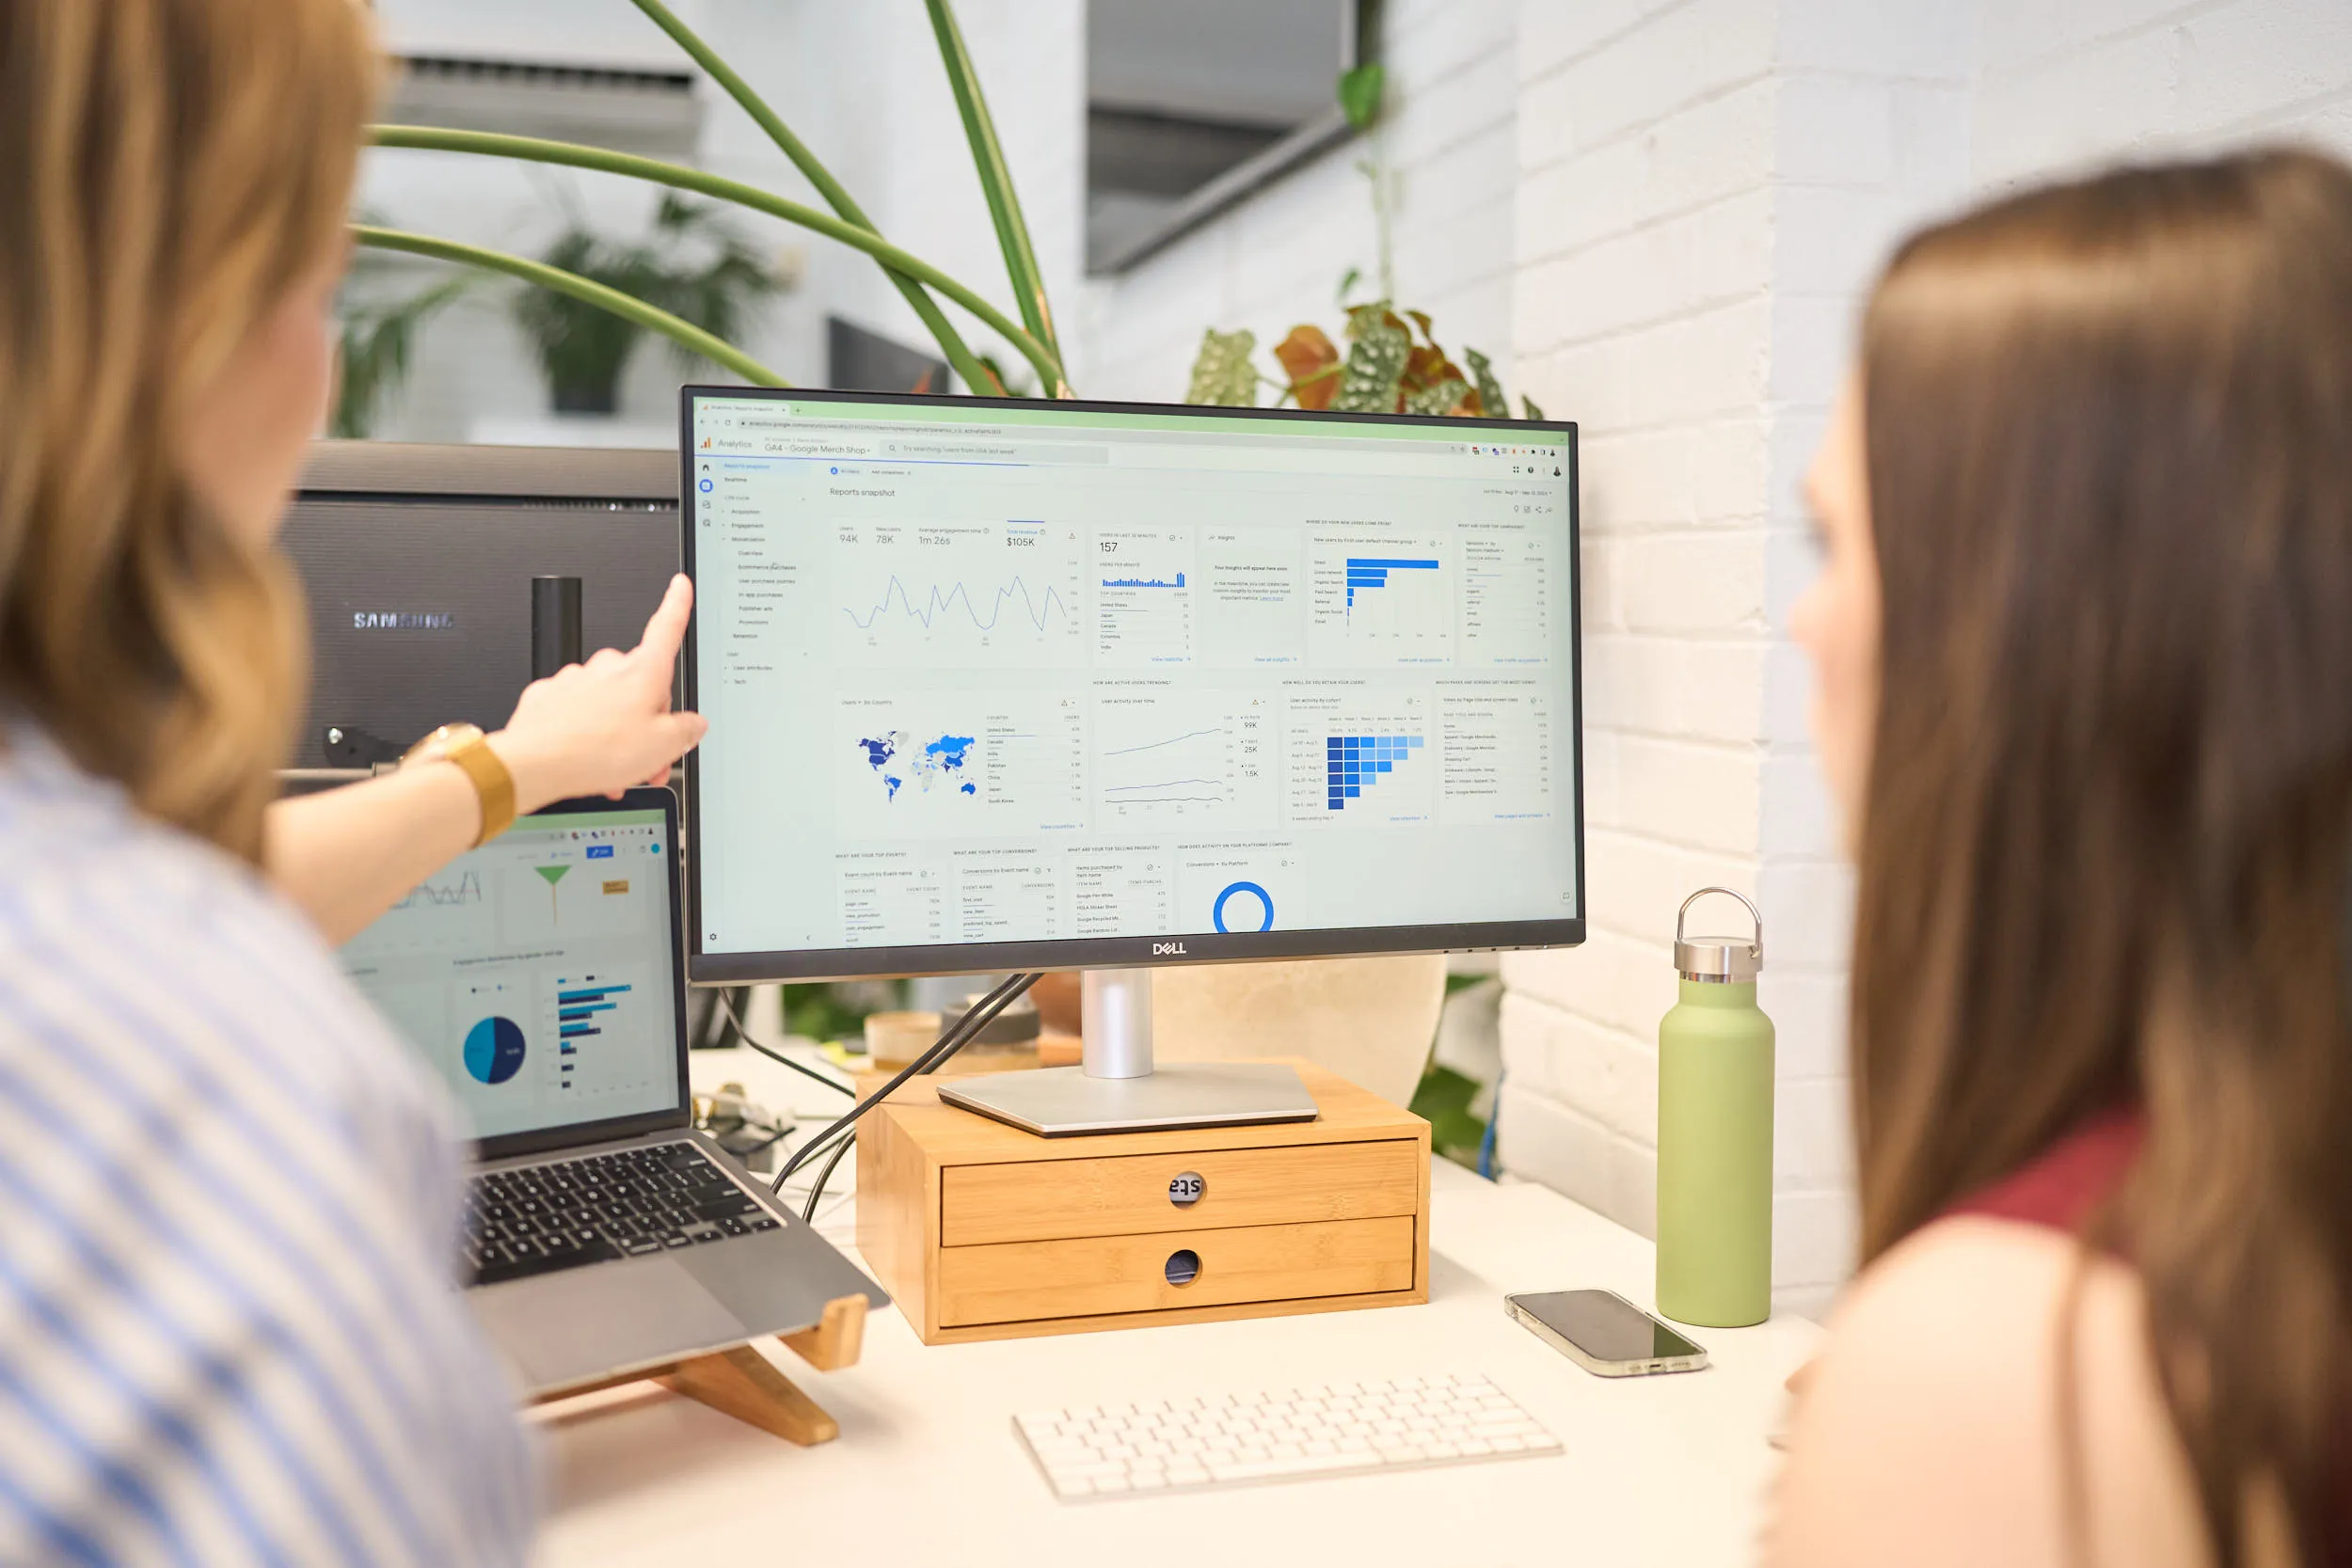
(1715,1133)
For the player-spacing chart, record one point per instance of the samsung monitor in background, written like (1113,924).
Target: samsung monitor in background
(417,562)
(1007,686)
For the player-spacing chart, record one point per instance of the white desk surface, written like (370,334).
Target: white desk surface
(1664,1470)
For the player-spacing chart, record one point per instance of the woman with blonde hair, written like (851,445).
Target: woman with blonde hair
(2083,655)
(229,1326)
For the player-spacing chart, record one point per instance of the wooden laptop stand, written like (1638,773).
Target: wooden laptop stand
(742,1382)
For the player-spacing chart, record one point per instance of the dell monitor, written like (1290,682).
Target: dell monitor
(1003,685)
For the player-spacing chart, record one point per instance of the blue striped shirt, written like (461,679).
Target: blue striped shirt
(228,1211)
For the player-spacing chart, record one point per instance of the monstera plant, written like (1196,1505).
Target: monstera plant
(1031,337)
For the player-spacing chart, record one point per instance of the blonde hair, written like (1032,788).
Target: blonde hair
(174,167)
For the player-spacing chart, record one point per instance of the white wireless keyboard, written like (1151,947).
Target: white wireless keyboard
(1185,1444)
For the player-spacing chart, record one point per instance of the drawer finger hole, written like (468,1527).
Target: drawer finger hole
(1183,1266)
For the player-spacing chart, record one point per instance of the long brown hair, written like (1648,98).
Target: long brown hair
(171,167)
(2105,844)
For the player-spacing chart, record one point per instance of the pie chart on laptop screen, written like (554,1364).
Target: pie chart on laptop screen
(494,1050)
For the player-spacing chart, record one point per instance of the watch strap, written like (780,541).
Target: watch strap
(492,782)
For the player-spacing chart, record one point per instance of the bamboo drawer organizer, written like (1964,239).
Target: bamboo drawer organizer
(982,1232)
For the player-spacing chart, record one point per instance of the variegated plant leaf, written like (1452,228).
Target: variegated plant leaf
(1491,398)
(1222,373)
(1441,397)
(1528,403)
(1376,363)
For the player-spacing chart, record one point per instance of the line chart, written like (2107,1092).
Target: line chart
(1171,740)
(466,890)
(1037,609)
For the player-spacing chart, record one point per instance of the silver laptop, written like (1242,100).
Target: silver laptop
(540,975)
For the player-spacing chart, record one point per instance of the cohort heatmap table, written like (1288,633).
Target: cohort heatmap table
(1359,762)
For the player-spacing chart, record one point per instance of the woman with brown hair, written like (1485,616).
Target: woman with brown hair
(229,1326)
(2083,652)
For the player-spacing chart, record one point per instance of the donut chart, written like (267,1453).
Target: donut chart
(494,1050)
(1265,901)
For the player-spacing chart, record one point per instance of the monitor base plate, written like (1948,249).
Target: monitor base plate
(1062,1102)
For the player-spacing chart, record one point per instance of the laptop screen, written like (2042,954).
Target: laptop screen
(537,972)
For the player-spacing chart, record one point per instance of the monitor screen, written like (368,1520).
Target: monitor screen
(538,974)
(994,685)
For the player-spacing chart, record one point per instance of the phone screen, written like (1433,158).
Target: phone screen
(1606,1327)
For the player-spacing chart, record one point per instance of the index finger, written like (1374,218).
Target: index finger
(667,631)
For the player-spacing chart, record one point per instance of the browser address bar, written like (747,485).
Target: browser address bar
(999,451)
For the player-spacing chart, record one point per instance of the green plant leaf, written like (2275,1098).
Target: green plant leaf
(1527,405)
(1375,361)
(1443,1101)
(546,276)
(1440,397)
(1349,280)
(950,342)
(494,144)
(1221,372)
(697,266)
(377,341)
(1491,402)
(1359,93)
(1004,207)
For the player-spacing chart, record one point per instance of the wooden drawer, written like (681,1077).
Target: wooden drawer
(983,1231)
(1089,1277)
(1058,1199)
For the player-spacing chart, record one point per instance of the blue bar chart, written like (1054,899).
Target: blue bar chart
(1366,573)
(578,1007)
(1378,601)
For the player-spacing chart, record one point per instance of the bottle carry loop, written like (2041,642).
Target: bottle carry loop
(1719,960)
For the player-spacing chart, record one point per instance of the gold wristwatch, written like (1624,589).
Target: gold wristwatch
(469,748)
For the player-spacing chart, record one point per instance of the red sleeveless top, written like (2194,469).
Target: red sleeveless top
(2060,1187)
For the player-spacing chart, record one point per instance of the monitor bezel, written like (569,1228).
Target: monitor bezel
(1175,947)
(573,1134)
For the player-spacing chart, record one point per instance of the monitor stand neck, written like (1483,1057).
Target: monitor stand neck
(1117,1090)
(1114,1005)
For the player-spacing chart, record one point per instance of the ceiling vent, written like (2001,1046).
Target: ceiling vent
(655,113)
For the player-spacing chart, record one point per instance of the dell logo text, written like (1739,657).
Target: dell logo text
(1163,949)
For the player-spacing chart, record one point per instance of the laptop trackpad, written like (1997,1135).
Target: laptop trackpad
(585,1323)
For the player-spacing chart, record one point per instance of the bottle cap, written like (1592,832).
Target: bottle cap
(1720,960)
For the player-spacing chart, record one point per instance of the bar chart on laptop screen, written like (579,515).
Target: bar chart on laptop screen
(532,974)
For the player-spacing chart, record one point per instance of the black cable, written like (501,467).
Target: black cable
(970,1025)
(951,1040)
(808,1215)
(744,1035)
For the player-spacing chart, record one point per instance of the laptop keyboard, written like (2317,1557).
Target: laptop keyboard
(630,1202)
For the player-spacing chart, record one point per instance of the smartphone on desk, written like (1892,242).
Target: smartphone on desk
(1605,1333)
